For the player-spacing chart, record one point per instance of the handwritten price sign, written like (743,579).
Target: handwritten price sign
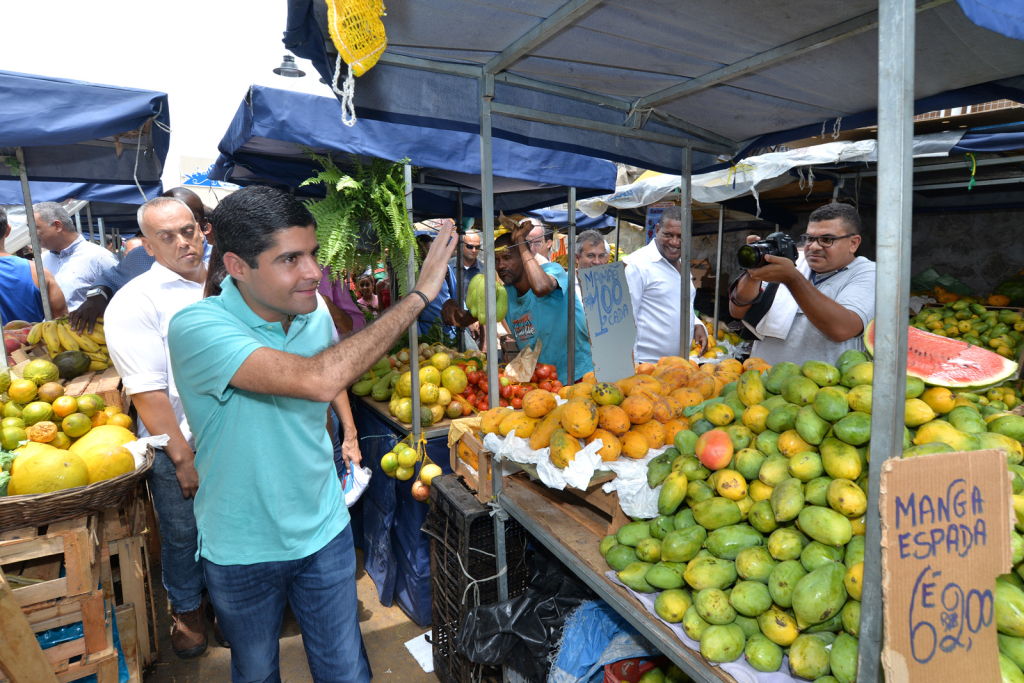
(945,538)
(609,312)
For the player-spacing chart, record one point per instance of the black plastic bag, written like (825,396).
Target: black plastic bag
(521,633)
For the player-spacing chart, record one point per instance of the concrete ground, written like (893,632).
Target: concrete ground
(385,632)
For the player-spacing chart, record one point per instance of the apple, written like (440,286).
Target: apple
(11,345)
(420,491)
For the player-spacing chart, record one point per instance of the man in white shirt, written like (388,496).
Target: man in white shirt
(74,262)
(136,323)
(591,250)
(653,275)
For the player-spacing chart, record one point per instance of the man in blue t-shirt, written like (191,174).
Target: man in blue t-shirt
(536,305)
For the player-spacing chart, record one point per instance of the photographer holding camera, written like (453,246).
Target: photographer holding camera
(812,306)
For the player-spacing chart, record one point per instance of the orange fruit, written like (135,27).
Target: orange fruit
(64,406)
(76,425)
(98,419)
(120,420)
(42,432)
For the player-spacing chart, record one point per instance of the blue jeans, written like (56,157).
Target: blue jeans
(182,574)
(250,600)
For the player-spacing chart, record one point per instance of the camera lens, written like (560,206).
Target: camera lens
(749,256)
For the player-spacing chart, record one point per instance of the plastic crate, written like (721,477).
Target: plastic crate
(461,552)
(630,670)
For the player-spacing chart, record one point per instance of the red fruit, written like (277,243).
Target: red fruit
(467,409)
(555,386)
(543,371)
(535,378)
(714,449)
(517,403)
(519,391)
(545,385)
(483,385)
(468,392)
(503,403)
(11,345)
(420,491)
(483,404)
(473,376)
(505,391)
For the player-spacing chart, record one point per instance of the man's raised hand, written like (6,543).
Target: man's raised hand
(435,265)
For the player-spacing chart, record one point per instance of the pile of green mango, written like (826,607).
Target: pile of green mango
(1001,331)
(764,557)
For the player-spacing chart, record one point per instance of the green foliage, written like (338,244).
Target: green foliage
(375,193)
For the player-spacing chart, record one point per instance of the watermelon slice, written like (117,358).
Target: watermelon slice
(945,362)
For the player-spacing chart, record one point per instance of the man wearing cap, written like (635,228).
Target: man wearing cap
(430,314)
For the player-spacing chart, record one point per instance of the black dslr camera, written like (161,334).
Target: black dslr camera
(775,244)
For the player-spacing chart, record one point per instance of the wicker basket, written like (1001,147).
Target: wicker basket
(44,508)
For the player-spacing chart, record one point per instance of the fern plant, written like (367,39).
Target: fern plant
(375,193)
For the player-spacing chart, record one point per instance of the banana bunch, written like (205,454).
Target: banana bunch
(58,336)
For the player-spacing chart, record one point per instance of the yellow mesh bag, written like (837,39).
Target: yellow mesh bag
(358,34)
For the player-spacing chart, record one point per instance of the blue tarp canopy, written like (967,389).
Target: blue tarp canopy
(1002,16)
(710,73)
(262,145)
(560,218)
(83,133)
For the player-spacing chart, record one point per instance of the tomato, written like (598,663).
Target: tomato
(503,403)
(467,409)
(555,386)
(519,391)
(483,404)
(546,385)
(517,403)
(468,392)
(483,385)
(554,373)
(473,376)
(506,391)
(543,371)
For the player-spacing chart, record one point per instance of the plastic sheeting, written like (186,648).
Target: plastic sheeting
(559,218)
(596,635)
(1002,16)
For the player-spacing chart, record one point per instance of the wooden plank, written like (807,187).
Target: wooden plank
(81,552)
(41,569)
(65,651)
(31,548)
(133,584)
(42,592)
(94,624)
(21,658)
(127,632)
(17,534)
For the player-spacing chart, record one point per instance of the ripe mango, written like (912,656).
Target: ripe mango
(778,627)
(750,389)
(850,617)
(722,643)
(719,414)
(840,459)
(774,470)
(1008,425)
(649,550)
(699,491)
(787,500)
(822,374)
(748,462)
(916,412)
(791,443)
(713,606)
(767,442)
(710,572)
(691,467)
(854,551)
(672,604)
(859,398)
(1009,609)
(861,373)
(1012,447)
(943,432)
(816,491)
(564,448)
(762,654)
(754,418)
(606,394)
(808,657)
(806,466)
(607,543)
(847,498)
(854,580)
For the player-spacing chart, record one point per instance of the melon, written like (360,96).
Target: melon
(948,362)
(104,435)
(48,470)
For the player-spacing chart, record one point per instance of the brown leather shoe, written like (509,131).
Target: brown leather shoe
(188,634)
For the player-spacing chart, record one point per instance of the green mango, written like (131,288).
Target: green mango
(810,426)
(859,398)
(700,427)
(727,542)
(761,517)
(786,543)
(799,390)
(661,526)
(782,418)
(658,469)
(967,420)
(825,525)
(710,572)
(748,462)
(693,625)
(620,556)
(808,657)
(748,624)
(848,359)
(755,564)
(633,533)
(1012,579)
(833,625)
(715,513)
(1009,609)
(763,654)
(750,598)
(783,581)
(671,604)
(649,550)
(861,373)
(634,575)
(1016,481)
(740,436)
(774,470)
(734,402)
(821,594)
(691,467)
(1013,648)
(787,500)
(772,402)
(767,442)
(682,545)
(822,374)
(1008,425)
(607,543)
(928,449)
(915,387)
(685,441)
(806,466)
(816,491)
(673,491)
(851,617)
(750,388)
(830,404)
(721,644)
(655,675)
(826,637)
(683,519)
(697,492)
(854,429)
(713,606)
(816,554)
(1008,671)
(381,390)
(666,575)
(778,374)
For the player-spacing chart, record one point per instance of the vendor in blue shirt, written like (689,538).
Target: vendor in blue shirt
(536,305)
(256,371)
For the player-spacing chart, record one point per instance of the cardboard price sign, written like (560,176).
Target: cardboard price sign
(946,524)
(609,312)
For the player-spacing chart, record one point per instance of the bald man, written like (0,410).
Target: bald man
(135,263)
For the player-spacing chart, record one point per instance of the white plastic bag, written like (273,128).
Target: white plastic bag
(354,483)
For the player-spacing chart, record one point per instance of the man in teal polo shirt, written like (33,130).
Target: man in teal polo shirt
(256,372)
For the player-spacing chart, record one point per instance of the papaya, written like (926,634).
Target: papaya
(653,431)
(523,425)
(613,419)
(579,417)
(638,408)
(538,403)
(564,448)
(611,447)
(490,420)
(634,444)
(541,437)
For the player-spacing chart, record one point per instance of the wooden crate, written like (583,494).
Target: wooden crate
(467,451)
(36,555)
(126,550)
(127,634)
(597,511)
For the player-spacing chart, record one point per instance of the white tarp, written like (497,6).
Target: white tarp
(759,173)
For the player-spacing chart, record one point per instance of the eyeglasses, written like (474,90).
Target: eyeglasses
(474,247)
(825,241)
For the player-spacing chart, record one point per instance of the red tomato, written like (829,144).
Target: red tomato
(543,371)
(468,392)
(535,378)
(546,385)
(466,408)
(506,391)
(473,376)
(483,385)
(519,391)
(517,403)
(503,403)
(483,404)
(554,373)
(555,386)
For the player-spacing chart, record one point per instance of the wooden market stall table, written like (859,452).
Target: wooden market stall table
(387,520)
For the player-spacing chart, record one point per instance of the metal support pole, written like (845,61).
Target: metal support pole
(30,219)
(618,221)
(718,264)
(460,296)
(78,222)
(414,350)
(570,334)
(685,238)
(103,232)
(892,292)
(88,218)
